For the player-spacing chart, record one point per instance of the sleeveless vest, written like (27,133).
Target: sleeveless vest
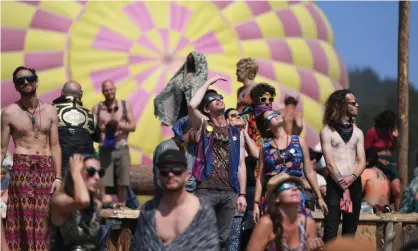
(203,163)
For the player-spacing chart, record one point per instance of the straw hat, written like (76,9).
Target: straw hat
(279,179)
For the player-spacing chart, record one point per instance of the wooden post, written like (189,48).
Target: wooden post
(403,90)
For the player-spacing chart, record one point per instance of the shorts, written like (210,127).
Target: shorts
(116,163)
(391,170)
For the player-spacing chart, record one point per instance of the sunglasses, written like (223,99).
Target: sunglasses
(264,99)
(235,115)
(175,170)
(288,185)
(91,171)
(30,79)
(212,98)
(270,117)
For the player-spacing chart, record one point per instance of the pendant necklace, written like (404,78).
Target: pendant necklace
(32,117)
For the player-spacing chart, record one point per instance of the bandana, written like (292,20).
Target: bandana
(345,131)
(259,109)
(181,127)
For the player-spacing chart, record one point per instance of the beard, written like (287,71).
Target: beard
(27,93)
(173,189)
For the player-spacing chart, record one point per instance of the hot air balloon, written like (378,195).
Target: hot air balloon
(140,45)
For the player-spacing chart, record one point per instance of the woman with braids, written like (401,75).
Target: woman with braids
(75,209)
(282,153)
(284,229)
(382,137)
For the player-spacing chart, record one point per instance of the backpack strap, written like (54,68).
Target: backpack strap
(99,108)
(124,111)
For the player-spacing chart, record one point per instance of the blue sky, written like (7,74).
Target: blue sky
(366,34)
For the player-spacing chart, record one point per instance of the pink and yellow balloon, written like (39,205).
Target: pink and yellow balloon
(140,45)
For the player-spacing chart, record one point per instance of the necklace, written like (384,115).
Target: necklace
(32,117)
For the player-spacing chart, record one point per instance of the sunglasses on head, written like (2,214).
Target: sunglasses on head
(270,117)
(177,170)
(288,185)
(235,115)
(21,80)
(264,100)
(91,171)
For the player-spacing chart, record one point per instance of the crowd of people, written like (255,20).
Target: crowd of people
(233,179)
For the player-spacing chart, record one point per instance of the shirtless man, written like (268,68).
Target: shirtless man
(178,220)
(292,118)
(376,185)
(36,171)
(115,122)
(247,70)
(343,149)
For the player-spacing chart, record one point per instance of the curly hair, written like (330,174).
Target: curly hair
(335,107)
(261,126)
(260,89)
(251,67)
(277,219)
(385,121)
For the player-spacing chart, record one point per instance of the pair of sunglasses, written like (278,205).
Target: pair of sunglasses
(30,79)
(235,115)
(177,171)
(288,185)
(354,103)
(264,99)
(212,98)
(270,117)
(91,171)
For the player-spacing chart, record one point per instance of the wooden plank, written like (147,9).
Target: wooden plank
(397,241)
(397,217)
(120,213)
(380,235)
(389,235)
(366,232)
(410,232)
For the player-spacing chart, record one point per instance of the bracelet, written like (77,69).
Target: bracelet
(257,202)
(242,194)
(59,179)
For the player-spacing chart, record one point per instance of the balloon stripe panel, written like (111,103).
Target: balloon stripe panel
(51,78)
(179,17)
(139,14)
(10,19)
(69,9)
(321,28)
(9,61)
(301,54)
(107,39)
(47,21)
(330,33)
(12,39)
(159,11)
(165,38)
(182,43)
(309,85)
(139,59)
(44,60)
(147,43)
(311,135)
(343,73)
(258,7)
(305,21)
(222,4)
(266,69)
(237,12)
(208,44)
(270,26)
(280,50)
(334,67)
(115,74)
(142,76)
(320,60)
(138,101)
(34,2)
(311,112)
(290,23)
(326,86)
(249,30)
(287,75)
(8,92)
(48,97)
(162,81)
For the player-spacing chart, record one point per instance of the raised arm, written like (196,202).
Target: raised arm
(5,133)
(242,178)
(325,137)
(195,116)
(299,123)
(258,186)
(361,155)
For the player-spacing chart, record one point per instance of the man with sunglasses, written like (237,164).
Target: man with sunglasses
(293,120)
(77,126)
(178,220)
(36,171)
(115,119)
(219,168)
(343,149)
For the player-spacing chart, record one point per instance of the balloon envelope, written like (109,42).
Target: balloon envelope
(140,45)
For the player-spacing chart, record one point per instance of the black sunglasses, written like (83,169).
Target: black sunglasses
(235,115)
(21,80)
(264,99)
(177,170)
(91,171)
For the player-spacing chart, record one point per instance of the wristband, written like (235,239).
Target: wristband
(257,202)
(242,194)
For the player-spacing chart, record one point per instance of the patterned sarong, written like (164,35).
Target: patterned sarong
(27,224)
